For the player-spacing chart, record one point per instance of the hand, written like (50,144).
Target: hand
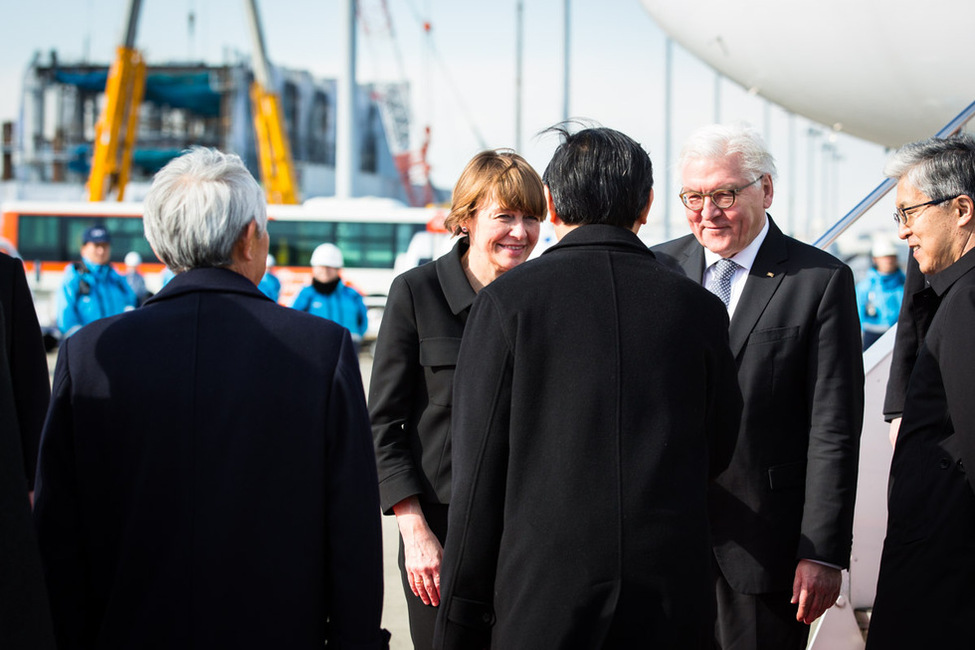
(815,588)
(895,427)
(422,551)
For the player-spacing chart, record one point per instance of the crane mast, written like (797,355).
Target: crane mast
(115,130)
(274,152)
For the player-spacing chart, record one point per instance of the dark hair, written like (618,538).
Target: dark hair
(500,174)
(598,176)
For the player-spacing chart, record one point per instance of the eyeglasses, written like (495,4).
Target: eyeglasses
(901,216)
(722,199)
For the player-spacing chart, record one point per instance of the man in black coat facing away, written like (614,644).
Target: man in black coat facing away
(28,361)
(24,391)
(206,475)
(594,397)
(782,512)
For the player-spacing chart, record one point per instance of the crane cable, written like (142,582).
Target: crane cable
(426,26)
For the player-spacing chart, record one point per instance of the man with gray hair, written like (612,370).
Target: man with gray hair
(782,512)
(924,592)
(176,505)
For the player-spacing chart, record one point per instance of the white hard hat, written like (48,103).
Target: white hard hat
(327,255)
(133,259)
(883,247)
(270,261)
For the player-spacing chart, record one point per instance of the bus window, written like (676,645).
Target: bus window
(363,244)
(49,237)
(39,238)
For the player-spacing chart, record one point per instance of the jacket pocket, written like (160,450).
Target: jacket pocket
(438,356)
(787,476)
(773,334)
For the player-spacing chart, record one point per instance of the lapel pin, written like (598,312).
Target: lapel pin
(770,274)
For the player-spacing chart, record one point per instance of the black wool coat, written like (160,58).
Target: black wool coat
(930,542)
(25,621)
(206,478)
(411,390)
(27,359)
(594,397)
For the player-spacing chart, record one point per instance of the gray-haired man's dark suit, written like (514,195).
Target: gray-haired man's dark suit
(789,491)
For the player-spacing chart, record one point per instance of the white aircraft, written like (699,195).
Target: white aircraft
(887,71)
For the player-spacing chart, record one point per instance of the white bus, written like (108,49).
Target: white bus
(374,236)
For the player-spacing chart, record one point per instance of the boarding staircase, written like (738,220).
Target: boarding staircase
(842,626)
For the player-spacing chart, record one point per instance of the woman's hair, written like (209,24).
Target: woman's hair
(500,174)
(198,207)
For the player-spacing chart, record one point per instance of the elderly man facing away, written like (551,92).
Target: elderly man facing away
(178,505)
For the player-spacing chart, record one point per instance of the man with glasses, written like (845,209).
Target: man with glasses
(782,512)
(924,594)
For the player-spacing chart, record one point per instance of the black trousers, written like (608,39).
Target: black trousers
(756,621)
(423,617)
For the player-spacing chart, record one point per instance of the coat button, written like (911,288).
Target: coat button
(945,463)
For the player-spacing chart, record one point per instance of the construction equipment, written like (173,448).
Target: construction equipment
(115,130)
(274,152)
(394,111)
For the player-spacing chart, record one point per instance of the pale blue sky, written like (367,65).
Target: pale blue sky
(617,76)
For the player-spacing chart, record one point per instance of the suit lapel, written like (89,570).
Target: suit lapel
(691,259)
(763,280)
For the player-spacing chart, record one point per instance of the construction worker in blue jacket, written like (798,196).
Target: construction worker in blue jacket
(270,286)
(879,295)
(328,297)
(92,289)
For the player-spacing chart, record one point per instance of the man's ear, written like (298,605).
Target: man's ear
(645,213)
(768,189)
(552,215)
(966,210)
(156,253)
(247,243)
(641,219)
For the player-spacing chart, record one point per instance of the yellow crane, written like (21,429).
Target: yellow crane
(115,131)
(273,150)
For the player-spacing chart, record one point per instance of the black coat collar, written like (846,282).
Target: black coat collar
(764,278)
(208,279)
(601,235)
(456,287)
(941,282)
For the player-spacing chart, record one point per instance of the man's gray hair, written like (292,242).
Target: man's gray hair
(198,207)
(722,140)
(941,168)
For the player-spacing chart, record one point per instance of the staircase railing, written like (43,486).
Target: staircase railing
(837,229)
